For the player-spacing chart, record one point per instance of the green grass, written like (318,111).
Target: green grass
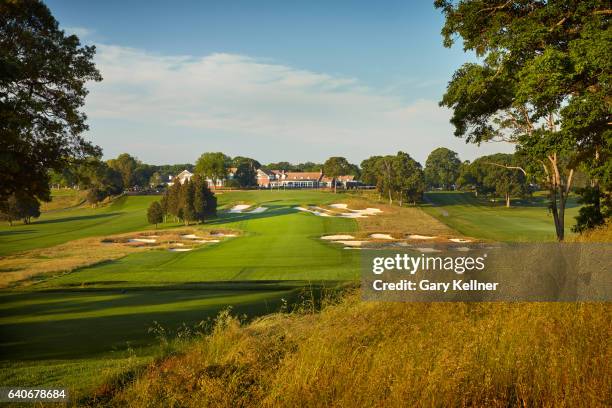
(56,227)
(76,323)
(526,220)
(77,328)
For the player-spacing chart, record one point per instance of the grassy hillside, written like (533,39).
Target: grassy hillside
(56,227)
(526,220)
(74,323)
(371,354)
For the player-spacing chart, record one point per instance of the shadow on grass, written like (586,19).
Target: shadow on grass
(79,218)
(69,335)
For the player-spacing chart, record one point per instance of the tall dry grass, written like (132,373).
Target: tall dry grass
(392,355)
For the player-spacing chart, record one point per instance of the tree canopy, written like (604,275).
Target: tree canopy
(335,167)
(442,168)
(213,165)
(43,72)
(542,83)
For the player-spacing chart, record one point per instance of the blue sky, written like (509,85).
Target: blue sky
(274,80)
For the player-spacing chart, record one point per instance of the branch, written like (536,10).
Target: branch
(508,167)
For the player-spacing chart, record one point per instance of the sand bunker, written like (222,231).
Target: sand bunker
(351,243)
(178,244)
(257,210)
(416,236)
(180,249)
(190,236)
(381,236)
(322,212)
(143,240)
(336,237)
(238,208)
(317,213)
(460,240)
(221,234)
(428,250)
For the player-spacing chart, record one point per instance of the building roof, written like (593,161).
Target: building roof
(303,175)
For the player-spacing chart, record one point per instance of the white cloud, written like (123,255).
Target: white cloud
(80,32)
(241,105)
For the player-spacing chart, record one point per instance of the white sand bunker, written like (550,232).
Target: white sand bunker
(381,236)
(178,244)
(317,213)
(258,210)
(340,205)
(336,237)
(351,243)
(190,236)
(460,240)
(239,208)
(207,241)
(180,249)
(351,215)
(143,240)
(221,234)
(428,250)
(416,236)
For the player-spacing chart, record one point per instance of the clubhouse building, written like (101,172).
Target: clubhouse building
(300,179)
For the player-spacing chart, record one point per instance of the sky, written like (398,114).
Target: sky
(274,80)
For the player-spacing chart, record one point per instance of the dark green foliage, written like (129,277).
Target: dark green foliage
(442,168)
(95,195)
(397,177)
(189,202)
(595,209)
(43,73)
(213,165)
(246,172)
(542,83)
(19,206)
(155,213)
(335,167)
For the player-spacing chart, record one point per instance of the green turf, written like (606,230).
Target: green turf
(79,322)
(56,227)
(525,220)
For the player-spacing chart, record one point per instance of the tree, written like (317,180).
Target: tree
(369,174)
(42,88)
(188,212)
(204,202)
(409,180)
(285,166)
(543,83)
(246,171)
(20,206)
(155,214)
(213,166)
(95,195)
(502,174)
(126,165)
(442,168)
(336,166)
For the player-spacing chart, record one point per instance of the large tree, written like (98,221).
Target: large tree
(542,82)
(335,167)
(246,171)
(43,73)
(442,168)
(126,165)
(213,165)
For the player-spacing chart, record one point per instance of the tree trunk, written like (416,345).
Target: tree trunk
(334,181)
(507,200)
(390,198)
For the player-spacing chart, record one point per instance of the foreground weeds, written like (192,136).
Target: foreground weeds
(391,354)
